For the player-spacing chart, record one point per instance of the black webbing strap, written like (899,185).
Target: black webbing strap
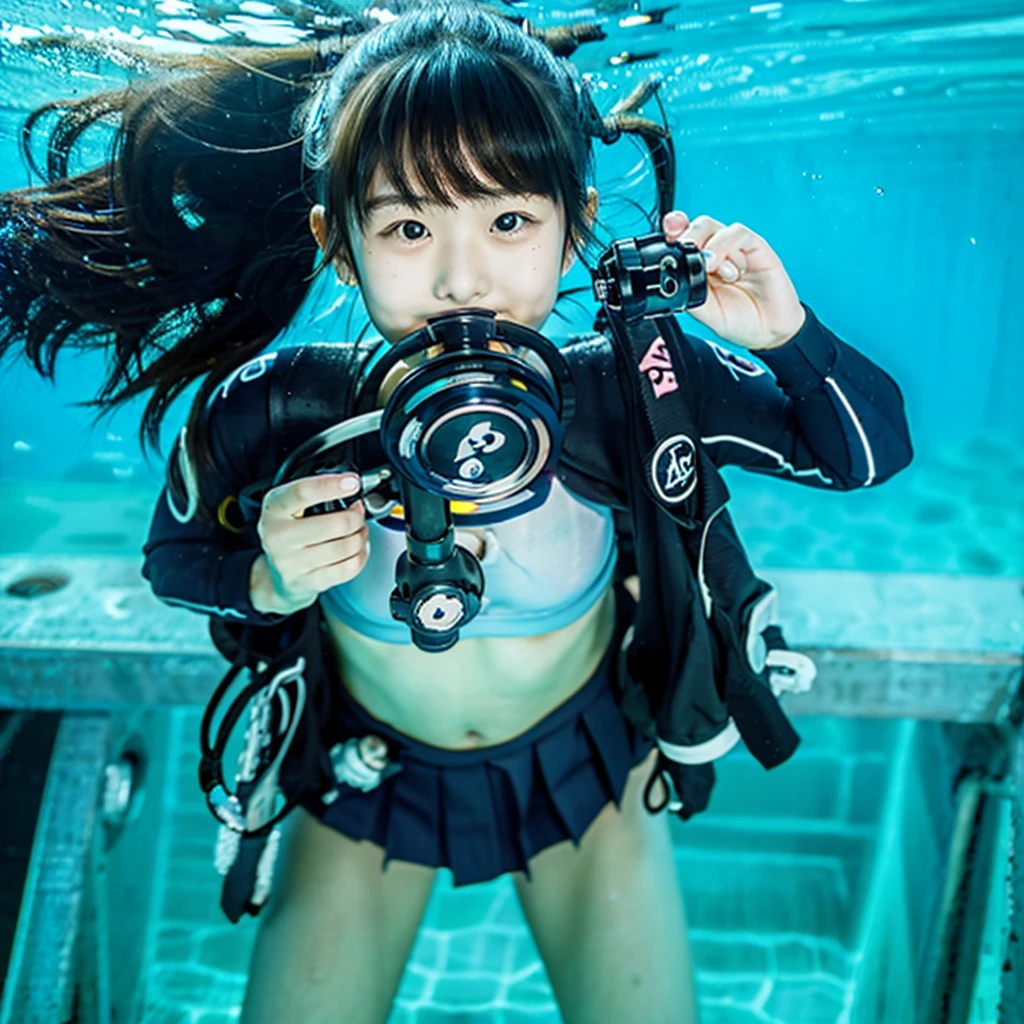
(677,475)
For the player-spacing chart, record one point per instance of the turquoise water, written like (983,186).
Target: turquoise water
(877,147)
(955,513)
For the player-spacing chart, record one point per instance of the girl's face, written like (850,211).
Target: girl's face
(506,254)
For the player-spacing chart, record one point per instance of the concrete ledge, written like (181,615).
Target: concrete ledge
(898,645)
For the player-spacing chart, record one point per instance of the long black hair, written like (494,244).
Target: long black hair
(189,249)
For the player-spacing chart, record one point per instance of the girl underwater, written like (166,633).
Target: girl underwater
(450,152)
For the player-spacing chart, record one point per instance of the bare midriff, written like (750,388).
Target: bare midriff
(482,691)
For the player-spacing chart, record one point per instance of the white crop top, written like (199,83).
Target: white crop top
(542,570)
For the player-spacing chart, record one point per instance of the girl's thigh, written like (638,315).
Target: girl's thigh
(608,918)
(337,931)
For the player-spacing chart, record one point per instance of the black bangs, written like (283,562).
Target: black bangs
(455,104)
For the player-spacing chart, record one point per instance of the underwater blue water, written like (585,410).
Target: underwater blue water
(877,147)
(788,880)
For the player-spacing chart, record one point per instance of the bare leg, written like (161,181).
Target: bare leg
(337,931)
(608,919)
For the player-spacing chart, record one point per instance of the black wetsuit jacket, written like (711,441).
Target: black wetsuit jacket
(693,677)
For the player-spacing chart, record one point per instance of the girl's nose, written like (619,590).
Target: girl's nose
(462,275)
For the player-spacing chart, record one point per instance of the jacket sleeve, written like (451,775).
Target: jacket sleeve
(826,416)
(201,565)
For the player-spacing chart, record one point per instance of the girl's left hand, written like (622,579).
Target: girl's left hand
(751,300)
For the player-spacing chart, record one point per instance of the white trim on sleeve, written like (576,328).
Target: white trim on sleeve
(860,430)
(762,615)
(210,609)
(784,466)
(188,478)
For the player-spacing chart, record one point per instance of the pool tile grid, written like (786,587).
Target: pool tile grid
(475,960)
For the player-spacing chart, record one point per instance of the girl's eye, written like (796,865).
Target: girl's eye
(506,223)
(415,235)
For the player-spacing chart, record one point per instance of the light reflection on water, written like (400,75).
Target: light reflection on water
(820,61)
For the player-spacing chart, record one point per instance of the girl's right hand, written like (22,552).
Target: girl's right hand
(303,557)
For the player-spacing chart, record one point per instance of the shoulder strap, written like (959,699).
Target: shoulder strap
(656,387)
(303,389)
(692,688)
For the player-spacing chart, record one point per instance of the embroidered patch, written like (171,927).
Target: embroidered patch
(735,364)
(657,364)
(674,469)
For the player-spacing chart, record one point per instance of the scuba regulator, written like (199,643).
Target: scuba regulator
(472,431)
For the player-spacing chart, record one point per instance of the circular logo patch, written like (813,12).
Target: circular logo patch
(475,447)
(674,469)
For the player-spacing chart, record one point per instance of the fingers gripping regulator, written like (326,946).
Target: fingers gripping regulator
(470,434)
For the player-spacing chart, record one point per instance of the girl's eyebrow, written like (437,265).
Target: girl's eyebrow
(385,199)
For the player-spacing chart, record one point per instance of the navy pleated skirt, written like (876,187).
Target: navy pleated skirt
(487,811)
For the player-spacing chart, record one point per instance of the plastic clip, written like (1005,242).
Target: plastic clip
(789,672)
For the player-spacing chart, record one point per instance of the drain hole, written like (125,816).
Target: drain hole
(37,586)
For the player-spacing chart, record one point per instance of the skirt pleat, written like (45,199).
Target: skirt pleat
(611,746)
(567,770)
(357,814)
(517,768)
(411,831)
(468,823)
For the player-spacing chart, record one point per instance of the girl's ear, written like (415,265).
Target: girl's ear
(318,225)
(589,214)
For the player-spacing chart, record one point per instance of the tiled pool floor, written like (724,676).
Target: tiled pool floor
(775,877)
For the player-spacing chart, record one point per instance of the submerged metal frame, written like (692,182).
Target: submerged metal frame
(887,645)
(39,986)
